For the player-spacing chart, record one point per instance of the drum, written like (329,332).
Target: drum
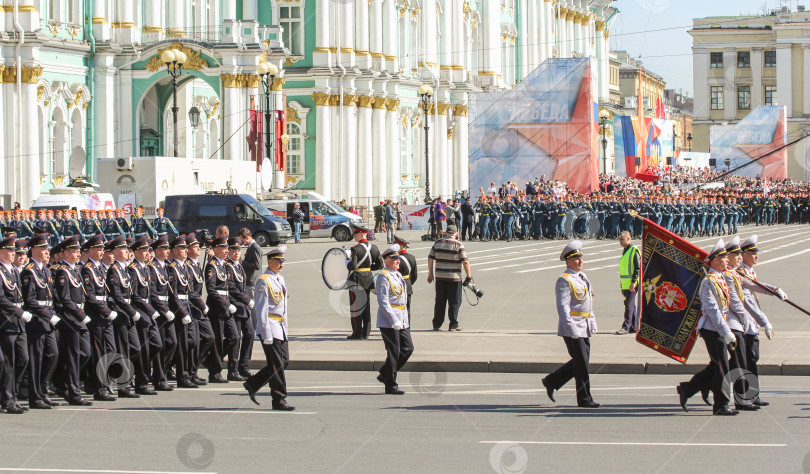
(333,268)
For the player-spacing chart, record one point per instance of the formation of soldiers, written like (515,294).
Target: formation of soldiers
(62,224)
(606,216)
(125,317)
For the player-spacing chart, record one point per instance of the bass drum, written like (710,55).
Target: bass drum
(333,268)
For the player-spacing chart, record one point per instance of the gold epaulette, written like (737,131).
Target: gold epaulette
(29,266)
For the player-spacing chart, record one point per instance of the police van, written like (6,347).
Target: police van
(195,212)
(322,218)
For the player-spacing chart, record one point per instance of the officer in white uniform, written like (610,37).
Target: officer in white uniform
(392,319)
(750,258)
(714,329)
(270,296)
(577,323)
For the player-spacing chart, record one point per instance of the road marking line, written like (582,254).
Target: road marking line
(617,443)
(107,471)
(192,410)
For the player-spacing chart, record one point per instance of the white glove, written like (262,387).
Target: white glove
(54,320)
(113,315)
(729,338)
(575,336)
(231,309)
(205,311)
(268,341)
(769,331)
(27,317)
(86,319)
(398,326)
(251,304)
(186,319)
(155,316)
(170,316)
(781,294)
(136,317)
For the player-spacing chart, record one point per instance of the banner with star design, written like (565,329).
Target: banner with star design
(544,126)
(671,270)
(760,132)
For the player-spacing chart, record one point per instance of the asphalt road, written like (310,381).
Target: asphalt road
(518,279)
(445,423)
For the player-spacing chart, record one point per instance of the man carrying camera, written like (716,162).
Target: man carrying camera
(448,257)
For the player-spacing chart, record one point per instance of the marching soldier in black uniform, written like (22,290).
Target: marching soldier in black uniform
(13,341)
(159,298)
(365,257)
(239,370)
(407,268)
(74,338)
(179,304)
(36,284)
(201,338)
(221,311)
(102,336)
(49,227)
(148,334)
(120,299)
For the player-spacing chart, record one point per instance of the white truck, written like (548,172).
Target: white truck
(74,198)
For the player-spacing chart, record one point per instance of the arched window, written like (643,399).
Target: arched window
(295,150)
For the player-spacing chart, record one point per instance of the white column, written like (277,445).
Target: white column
(806,81)
(100,21)
(127,142)
(176,20)
(365,151)
(570,34)
(250,9)
(390,35)
(336,150)
(323,22)
(30,146)
(232,118)
(462,152)
(349,113)
(323,147)
(381,171)
(523,40)
(153,18)
(125,22)
(700,75)
(548,37)
(492,36)
(347,32)
(562,33)
(532,15)
(376,30)
(442,169)
(104,106)
(459,46)
(228,10)
(757,90)
(730,92)
(447,55)
(603,66)
(784,77)
(361,34)
(429,17)
(392,139)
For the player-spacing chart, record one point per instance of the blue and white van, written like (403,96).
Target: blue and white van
(322,218)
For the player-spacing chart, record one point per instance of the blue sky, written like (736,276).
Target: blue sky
(662,40)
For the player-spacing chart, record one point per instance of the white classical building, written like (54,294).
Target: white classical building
(740,63)
(83,80)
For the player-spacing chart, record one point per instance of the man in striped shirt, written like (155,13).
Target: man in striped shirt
(448,258)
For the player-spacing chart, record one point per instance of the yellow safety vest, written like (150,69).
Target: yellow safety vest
(626,268)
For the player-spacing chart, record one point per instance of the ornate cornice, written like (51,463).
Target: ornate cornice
(460,110)
(443,108)
(193,59)
(393,105)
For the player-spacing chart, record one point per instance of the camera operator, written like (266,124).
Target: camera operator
(448,257)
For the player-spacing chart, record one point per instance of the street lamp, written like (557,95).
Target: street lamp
(689,142)
(426,92)
(194,119)
(174,59)
(268,73)
(603,116)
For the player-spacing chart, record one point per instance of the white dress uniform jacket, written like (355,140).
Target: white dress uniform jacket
(270,297)
(575,305)
(738,317)
(752,301)
(392,296)
(714,312)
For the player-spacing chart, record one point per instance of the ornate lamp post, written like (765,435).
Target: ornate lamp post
(426,92)
(174,60)
(194,119)
(603,116)
(268,73)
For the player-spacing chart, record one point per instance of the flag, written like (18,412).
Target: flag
(671,271)
(255,138)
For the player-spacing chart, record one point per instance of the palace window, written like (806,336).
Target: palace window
(744,59)
(770,58)
(744,98)
(715,60)
(295,149)
(717,97)
(290,18)
(770,95)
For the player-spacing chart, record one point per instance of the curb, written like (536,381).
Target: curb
(506,367)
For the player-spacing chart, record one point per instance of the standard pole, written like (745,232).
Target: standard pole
(267,143)
(175,109)
(271,112)
(425,100)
